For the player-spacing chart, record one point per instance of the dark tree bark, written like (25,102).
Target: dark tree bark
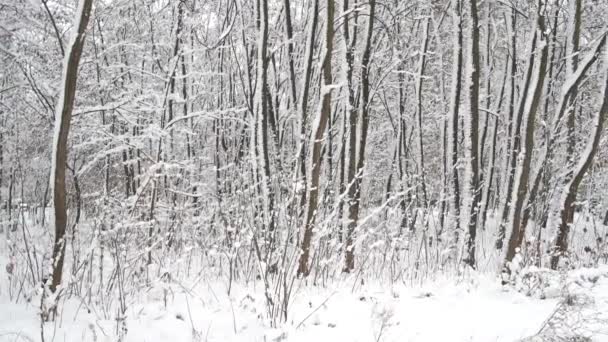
(455,113)
(567,203)
(317,142)
(419,84)
(473,133)
(263,115)
(305,95)
(354,206)
(289,31)
(523,177)
(65,107)
(571,66)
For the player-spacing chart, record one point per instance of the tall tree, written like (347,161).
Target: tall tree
(511,151)
(522,177)
(317,141)
(473,132)
(455,111)
(355,184)
(262,113)
(308,69)
(569,190)
(63,116)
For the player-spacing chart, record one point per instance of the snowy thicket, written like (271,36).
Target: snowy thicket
(303,169)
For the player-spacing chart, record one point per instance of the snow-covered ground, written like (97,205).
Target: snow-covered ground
(474,307)
(462,306)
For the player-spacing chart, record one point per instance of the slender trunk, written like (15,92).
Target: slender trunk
(317,142)
(455,113)
(419,85)
(305,94)
(571,66)
(509,159)
(523,177)
(492,162)
(263,120)
(570,189)
(62,128)
(353,115)
(473,133)
(290,53)
(353,214)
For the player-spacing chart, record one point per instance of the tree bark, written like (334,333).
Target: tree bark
(305,94)
(317,142)
(455,113)
(509,165)
(420,77)
(263,120)
(567,202)
(62,128)
(473,133)
(355,190)
(523,177)
(571,66)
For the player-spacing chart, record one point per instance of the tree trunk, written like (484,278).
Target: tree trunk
(305,94)
(263,122)
(571,66)
(420,77)
(522,178)
(289,31)
(473,133)
(317,142)
(492,162)
(509,165)
(568,200)
(63,116)
(355,191)
(455,112)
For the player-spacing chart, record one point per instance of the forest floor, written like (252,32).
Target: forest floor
(475,307)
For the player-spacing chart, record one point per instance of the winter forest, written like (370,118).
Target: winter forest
(303,170)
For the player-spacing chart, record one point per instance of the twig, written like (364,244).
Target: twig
(315,310)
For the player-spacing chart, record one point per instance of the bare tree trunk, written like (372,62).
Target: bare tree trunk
(420,76)
(568,90)
(350,109)
(305,94)
(568,200)
(355,190)
(262,113)
(492,162)
(510,162)
(571,66)
(539,194)
(473,133)
(317,142)
(62,128)
(189,149)
(523,175)
(289,31)
(455,112)
(515,149)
